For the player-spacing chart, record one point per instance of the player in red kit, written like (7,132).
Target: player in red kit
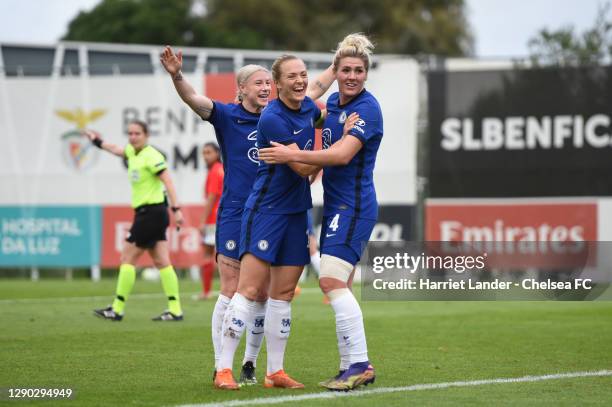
(213,188)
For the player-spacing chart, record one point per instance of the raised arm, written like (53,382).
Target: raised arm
(321,84)
(104,145)
(318,88)
(173,63)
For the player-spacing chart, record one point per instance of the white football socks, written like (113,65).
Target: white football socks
(277,328)
(239,311)
(255,334)
(349,330)
(217,324)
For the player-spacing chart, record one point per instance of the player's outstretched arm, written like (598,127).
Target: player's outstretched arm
(340,153)
(302,169)
(104,145)
(173,63)
(321,84)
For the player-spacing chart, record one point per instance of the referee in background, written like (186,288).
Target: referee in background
(148,175)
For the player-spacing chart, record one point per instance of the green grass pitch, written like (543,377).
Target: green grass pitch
(50,340)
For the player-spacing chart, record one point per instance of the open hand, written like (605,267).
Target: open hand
(91,135)
(277,154)
(350,122)
(172,62)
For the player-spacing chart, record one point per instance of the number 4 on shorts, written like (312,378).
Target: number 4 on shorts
(333,225)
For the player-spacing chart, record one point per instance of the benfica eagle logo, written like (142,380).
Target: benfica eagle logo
(77,151)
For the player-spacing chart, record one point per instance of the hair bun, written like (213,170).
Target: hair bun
(355,45)
(359,42)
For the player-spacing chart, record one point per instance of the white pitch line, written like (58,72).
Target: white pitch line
(73,299)
(414,387)
(311,290)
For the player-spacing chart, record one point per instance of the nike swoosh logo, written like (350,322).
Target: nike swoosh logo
(328,235)
(297,132)
(242,121)
(284,332)
(256,333)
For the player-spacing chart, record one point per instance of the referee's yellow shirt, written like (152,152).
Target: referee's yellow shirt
(143,168)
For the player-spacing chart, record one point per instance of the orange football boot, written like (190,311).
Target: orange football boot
(282,379)
(225,380)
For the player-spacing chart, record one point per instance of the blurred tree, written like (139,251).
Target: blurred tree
(134,21)
(397,26)
(564,47)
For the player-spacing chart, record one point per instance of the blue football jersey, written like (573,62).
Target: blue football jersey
(277,188)
(349,189)
(236,131)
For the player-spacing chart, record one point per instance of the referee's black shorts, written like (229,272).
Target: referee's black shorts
(149,227)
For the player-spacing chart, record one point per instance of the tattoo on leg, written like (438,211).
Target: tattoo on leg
(234,265)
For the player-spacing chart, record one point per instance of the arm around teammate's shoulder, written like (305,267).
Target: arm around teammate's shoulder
(321,84)
(340,153)
(104,145)
(302,169)
(276,130)
(172,63)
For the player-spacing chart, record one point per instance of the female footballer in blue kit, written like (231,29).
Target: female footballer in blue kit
(236,130)
(235,127)
(352,134)
(274,242)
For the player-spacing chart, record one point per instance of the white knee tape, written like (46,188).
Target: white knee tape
(337,293)
(333,267)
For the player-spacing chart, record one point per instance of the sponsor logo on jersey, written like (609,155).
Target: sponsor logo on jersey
(358,126)
(326,138)
(252,136)
(308,145)
(342,117)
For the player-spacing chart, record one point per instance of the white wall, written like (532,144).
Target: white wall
(35,165)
